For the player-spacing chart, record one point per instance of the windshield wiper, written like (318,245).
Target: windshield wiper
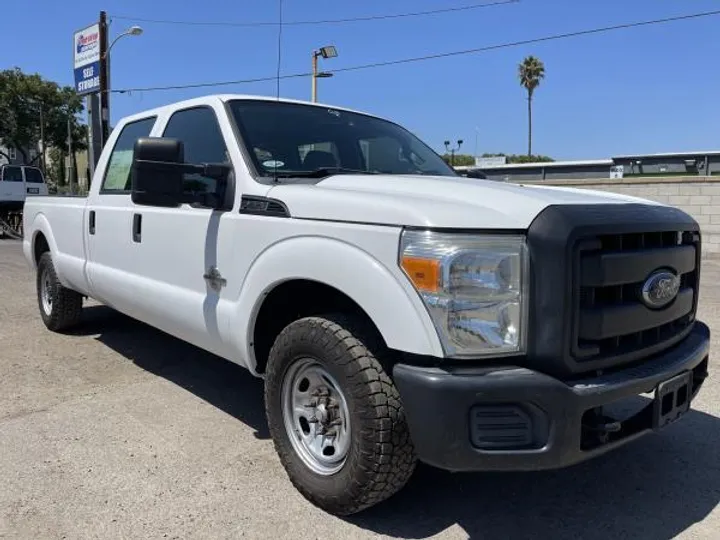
(319,172)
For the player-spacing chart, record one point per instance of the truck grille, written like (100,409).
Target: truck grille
(612,323)
(589,264)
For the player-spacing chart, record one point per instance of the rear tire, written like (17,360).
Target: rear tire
(60,308)
(323,376)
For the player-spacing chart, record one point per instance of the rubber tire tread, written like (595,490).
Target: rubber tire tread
(67,304)
(382,459)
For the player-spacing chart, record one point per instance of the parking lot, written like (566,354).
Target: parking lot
(120,431)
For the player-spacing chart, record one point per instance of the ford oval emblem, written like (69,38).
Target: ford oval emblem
(660,289)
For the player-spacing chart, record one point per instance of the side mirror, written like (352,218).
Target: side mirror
(158,170)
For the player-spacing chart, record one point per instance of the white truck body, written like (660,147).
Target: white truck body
(202,274)
(351,223)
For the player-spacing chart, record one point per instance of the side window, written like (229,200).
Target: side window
(200,133)
(117,174)
(33,176)
(12,174)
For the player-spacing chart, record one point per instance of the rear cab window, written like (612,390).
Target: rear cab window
(117,173)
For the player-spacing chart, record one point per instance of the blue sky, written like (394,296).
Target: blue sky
(650,89)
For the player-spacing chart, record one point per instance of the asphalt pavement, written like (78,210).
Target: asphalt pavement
(120,431)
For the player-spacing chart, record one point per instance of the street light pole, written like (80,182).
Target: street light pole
(452,151)
(314,76)
(329,51)
(105,85)
(104,91)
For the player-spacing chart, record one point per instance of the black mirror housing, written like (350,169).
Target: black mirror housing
(157,171)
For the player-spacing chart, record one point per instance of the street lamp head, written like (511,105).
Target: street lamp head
(329,51)
(460,141)
(324,75)
(135,30)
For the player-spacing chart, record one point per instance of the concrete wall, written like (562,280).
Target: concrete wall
(579,172)
(697,195)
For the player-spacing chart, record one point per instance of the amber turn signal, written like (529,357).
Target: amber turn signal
(424,273)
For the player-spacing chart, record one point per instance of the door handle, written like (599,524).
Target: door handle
(137,228)
(91,225)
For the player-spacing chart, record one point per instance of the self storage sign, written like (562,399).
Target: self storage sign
(86,54)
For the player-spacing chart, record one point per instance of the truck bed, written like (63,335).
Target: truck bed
(62,221)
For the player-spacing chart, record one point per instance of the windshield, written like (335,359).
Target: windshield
(287,139)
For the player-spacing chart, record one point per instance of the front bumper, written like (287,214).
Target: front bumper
(511,418)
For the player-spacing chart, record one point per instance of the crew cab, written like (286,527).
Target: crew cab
(396,311)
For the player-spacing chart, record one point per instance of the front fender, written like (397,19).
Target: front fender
(384,294)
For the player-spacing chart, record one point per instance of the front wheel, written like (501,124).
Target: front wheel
(335,415)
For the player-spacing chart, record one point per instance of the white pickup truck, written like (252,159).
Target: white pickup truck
(396,311)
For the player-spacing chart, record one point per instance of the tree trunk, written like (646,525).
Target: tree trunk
(529,124)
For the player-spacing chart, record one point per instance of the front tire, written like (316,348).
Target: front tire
(335,415)
(60,308)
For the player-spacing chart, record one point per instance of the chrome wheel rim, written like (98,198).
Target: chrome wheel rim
(316,416)
(46,293)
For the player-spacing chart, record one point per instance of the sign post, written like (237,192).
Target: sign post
(89,45)
(86,56)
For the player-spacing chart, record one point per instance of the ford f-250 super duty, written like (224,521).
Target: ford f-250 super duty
(396,311)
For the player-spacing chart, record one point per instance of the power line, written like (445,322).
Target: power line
(325,21)
(439,55)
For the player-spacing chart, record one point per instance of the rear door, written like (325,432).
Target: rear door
(108,223)
(34,182)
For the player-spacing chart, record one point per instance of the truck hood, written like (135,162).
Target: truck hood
(432,201)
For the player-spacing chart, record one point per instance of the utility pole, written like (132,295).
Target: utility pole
(42,140)
(70,160)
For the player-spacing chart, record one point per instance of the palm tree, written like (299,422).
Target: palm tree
(530,72)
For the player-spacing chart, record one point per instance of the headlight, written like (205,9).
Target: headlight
(474,287)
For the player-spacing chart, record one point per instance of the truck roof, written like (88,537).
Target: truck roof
(203,100)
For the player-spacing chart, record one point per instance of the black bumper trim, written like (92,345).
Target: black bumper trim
(438,402)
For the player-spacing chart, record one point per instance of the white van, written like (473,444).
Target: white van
(19,181)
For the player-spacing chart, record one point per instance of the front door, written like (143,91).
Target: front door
(185,254)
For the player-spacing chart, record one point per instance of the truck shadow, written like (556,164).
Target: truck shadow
(655,488)
(223,384)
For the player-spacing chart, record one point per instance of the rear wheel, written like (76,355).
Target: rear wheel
(335,415)
(60,307)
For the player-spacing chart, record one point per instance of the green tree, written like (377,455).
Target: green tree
(530,72)
(460,159)
(522,158)
(25,99)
